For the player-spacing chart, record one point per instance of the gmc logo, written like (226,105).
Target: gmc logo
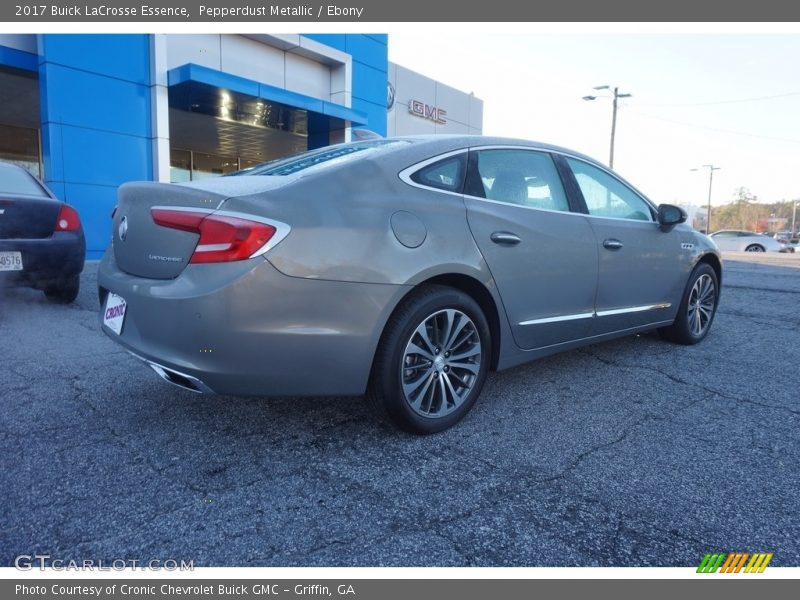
(425,111)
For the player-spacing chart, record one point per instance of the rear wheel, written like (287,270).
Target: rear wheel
(432,360)
(754,248)
(64,291)
(697,309)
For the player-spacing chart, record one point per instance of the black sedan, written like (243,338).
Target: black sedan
(41,239)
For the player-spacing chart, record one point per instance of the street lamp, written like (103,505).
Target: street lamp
(711,169)
(617,95)
(794,217)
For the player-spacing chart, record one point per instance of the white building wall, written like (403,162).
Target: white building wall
(463,113)
(289,62)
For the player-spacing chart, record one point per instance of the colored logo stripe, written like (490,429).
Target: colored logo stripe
(733,562)
(758,563)
(711,563)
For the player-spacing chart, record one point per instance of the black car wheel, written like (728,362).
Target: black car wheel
(697,309)
(432,360)
(64,291)
(754,248)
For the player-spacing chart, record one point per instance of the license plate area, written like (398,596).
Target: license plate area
(114,313)
(11,261)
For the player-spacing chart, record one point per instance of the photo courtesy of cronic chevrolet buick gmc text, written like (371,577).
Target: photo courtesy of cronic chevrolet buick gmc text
(402,268)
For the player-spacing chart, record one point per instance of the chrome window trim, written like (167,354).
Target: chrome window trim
(281,228)
(599,313)
(405,176)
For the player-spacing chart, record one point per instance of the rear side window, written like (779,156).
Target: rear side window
(13,182)
(446,174)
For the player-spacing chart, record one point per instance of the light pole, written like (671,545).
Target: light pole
(711,169)
(794,217)
(617,96)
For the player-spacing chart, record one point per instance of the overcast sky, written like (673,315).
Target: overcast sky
(730,100)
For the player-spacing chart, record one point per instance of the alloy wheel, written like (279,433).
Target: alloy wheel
(441,362)
(702,300)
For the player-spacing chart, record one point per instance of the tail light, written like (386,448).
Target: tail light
(222,238)
(68,219)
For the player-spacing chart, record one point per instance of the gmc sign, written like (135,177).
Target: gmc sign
(425,111)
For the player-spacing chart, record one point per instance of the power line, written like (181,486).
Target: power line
(718,102)
(730,131)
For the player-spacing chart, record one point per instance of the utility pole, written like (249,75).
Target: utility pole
(617,95)
(711,169)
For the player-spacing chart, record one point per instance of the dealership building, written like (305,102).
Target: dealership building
(90,112)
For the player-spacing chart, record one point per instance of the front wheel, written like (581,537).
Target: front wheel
(432,360)
(754,248)
(697,309)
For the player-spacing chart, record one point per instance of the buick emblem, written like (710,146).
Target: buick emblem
(389,96)
(123,229)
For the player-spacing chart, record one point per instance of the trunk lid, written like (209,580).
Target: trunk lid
(156,252)
(145,249)
(27,217)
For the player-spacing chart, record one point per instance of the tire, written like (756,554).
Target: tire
(65,291)
(432,360)
(754,248)
(697,309)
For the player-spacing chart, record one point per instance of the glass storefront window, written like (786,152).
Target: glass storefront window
(20,146)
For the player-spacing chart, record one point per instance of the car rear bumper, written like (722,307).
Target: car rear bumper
(245,328)
(47,260)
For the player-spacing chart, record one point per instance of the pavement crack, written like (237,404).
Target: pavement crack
(693,384)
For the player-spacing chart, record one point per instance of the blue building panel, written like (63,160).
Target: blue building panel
(383,38)
(104,158)
(368,51)
(104,103)
(376,115)
(369,54)
(212,77)
(96,122)
(122,56)
(94,204)
(18,59)
(369,83)
(53,155)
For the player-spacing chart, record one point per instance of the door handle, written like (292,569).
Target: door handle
(505,238)
(612,244)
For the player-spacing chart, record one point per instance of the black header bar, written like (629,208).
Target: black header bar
(380,11)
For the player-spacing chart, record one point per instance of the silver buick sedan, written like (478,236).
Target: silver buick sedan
(402,268)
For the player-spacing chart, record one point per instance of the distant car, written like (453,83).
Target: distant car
(405,267)
(744,241)
(786,245)
(41,239)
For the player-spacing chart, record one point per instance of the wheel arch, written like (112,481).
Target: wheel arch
(713,260)
(477,291)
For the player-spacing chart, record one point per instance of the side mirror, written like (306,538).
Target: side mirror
(669,216)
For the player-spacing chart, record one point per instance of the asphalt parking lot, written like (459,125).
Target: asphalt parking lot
(634,452)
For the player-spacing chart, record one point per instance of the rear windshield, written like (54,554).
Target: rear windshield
(312,158)
(15,181)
